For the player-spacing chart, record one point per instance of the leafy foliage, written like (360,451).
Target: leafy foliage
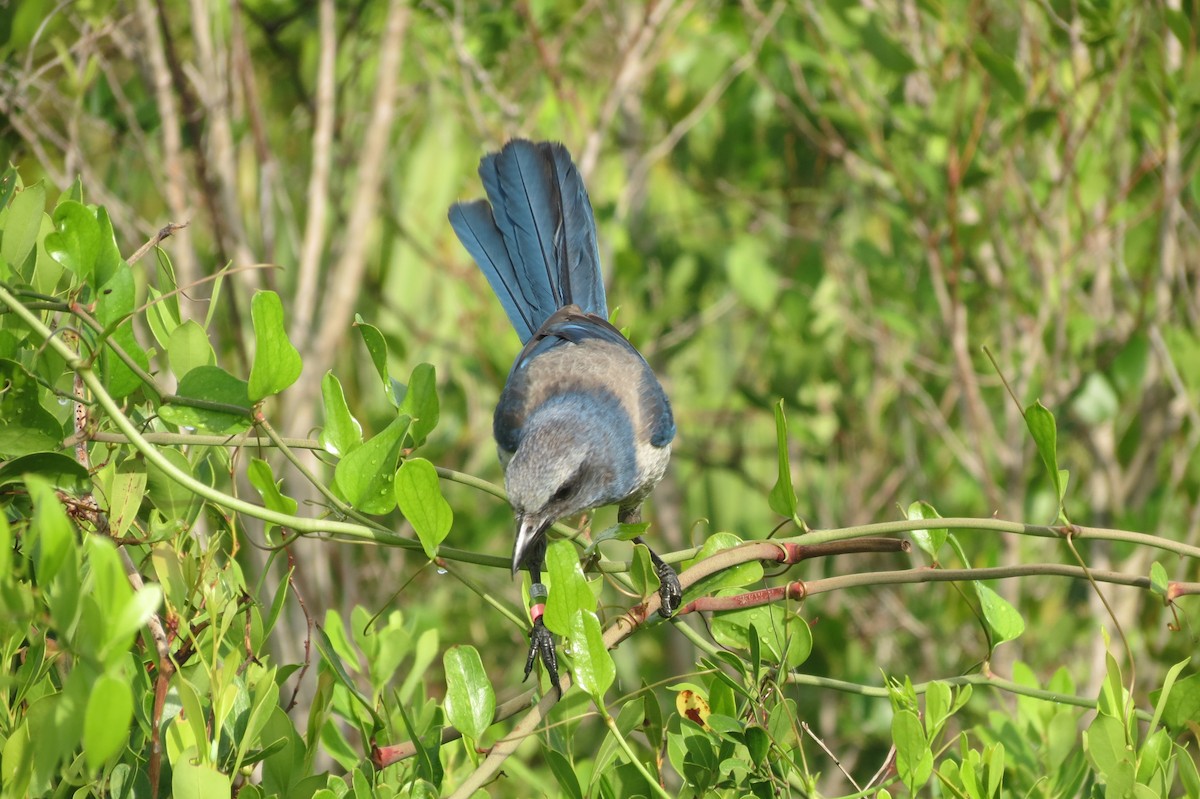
(826,210)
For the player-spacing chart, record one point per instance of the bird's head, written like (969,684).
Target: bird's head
(561,468)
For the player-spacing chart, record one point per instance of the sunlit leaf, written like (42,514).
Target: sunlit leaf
(277,364)
(782,498)
(1003,619)
(594,670)
(342,432)
(365,477)
(419,496)
(470,701)
(930,539)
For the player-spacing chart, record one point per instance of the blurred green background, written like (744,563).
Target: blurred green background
(836,204)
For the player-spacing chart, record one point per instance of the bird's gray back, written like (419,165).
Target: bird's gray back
(591,367)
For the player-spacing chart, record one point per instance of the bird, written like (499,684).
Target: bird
(582,422)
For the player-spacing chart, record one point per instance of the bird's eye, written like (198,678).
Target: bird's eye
(563,492)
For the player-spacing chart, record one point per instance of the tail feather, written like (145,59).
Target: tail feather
(536,240)
(576,240)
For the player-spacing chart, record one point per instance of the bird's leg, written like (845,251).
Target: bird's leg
(670,592)
(541,641)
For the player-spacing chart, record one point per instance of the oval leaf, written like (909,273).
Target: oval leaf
(594,669)
(342,432)
(470,701)
(1002,617)
(569,592)
(107,719)
(277,364)
(366,476)
(211,384)
(421,501)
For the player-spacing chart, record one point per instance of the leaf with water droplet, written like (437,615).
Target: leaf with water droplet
(421,501)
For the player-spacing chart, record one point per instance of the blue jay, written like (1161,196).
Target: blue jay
(582,421)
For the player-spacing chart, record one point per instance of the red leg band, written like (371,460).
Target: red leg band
(537,611)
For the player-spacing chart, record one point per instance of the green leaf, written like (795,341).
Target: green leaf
(782,498)
(1003,619)
(747,267)
(210,385)
(890,55)
(114,308)
(1189,774)
(25,426)
(594,670)
(378,350)
(785,636)
(937,708)
(930,540)
(6,552)
(108,257)
(470,701)
(51,527)
(129,619)
(420,401)
(1158,579)
(569,590)
(642,573)
(188,347)
(17,760)
(174,501)
(330,657)
(914,760)
(366,476)
(1040,422)
(1001,68)
(1179,24)
(1106,747)
(262,477)
(277,364)
(1128,368)
(419,496)
(106,723)
(757,743)
(1182,704)
(76,239)
(191,780)
(126,490)
(735,577)
(342,432)
(429,764)
(22,225)
(1111,701)
(564,773)
(1096,401)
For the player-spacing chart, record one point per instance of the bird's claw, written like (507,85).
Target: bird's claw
(541,644)
(670,592)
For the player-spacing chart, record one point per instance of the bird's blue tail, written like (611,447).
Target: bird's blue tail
(534,237)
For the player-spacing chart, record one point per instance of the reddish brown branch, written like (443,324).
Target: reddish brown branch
(624,625)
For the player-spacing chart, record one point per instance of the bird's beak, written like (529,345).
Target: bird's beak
(530,529)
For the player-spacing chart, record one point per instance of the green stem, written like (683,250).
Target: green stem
(503,607)
(983,680)
(637,763)
(303,470)
(354,532)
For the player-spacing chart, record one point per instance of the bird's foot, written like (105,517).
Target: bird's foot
(541,644)
(670,592)
(541,640)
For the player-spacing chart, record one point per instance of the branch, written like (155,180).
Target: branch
(305,301)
